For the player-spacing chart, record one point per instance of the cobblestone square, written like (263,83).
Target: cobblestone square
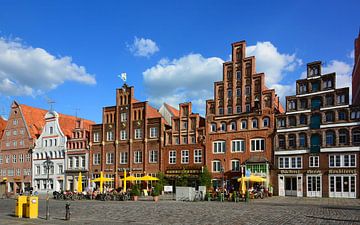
(275,210)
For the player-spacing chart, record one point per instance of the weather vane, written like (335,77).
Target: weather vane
(123,77)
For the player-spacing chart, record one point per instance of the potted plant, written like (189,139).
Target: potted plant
(156,191)
(135,192)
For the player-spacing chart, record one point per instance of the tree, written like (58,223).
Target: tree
(162,180)
(182,180)
(205,178)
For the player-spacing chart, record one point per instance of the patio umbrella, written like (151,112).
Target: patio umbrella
(102,179)
(79,184)
(243,185)
(148,178)
(124,190)
(130,178)
(252,179)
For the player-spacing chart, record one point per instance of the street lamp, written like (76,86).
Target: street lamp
(48,164)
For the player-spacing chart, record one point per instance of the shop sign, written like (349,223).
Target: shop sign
(289,171)
(128,169)
(342,171)
(182,171)
(313,171)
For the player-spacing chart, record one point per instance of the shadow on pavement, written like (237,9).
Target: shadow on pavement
(333,219)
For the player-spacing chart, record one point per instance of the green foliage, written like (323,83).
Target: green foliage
(135,191)
(162,179)
(205,178)
(157,189)
(182,180)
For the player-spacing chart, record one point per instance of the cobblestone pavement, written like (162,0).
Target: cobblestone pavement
(274,210)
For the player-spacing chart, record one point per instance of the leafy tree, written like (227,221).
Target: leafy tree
(182,180)
(205,178)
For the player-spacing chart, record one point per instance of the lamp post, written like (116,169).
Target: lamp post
(48,164)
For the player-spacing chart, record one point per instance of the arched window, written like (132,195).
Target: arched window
(266,122)
(213,127)
(315,143)
(329,116)
(233,125)
(243,124)
(343,137)
(292,121)
(330,138)
(292,140)
(255,123)
(302,140)
(281,141)
(223,126)
(356,137)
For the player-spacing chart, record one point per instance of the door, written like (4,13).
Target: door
(281,186)
(290,186)
(314,186)
(342,186)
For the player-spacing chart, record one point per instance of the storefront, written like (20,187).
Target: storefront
(314,183)
(342,183)
(290,183)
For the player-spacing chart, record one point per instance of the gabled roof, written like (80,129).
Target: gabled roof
(152,112)
(3,123)
(172,109)
(35,120)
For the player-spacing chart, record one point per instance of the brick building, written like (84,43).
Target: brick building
(184,150)
(317,141)
(356,73)
(77,155)
(130,137)
(18,140)
(240,121)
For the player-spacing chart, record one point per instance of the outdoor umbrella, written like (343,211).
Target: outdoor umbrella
(130,178)
(102,179)
(148,178)
(79,184)
(252,179)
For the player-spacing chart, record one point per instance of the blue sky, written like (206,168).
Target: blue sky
(72,51)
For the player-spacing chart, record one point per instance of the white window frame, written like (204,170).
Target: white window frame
(219,147)
(109,135)
(216,166)
(153,132)
(185,156)
(172,157)
(238,145)
(138,157)
(123,157)
(123,117)
(96,159)
(197,155)
(342,160)
(232,165)
(138,134)
(257,145)
(314,161)
(292,162)
(96,137)
(123,135)
(153,156)
(213,127)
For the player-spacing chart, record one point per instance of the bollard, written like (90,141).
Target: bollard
(67,211)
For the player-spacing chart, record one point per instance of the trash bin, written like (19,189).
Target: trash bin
(32,207)
(20,202)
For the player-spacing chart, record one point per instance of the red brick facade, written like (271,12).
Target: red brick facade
(356,73)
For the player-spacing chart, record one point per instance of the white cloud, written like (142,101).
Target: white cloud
(351,55)
(25,70)
(189,78)
(143,47)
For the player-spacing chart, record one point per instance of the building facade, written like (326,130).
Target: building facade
(130,138)
(356,73)
(184,150)
(240,121)
(317,141)
(18,140)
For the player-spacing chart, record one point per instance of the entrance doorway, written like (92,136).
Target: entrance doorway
(314,186)
(290,186)
(342,186)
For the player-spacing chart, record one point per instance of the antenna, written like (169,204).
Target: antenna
(76,111)
(50,102)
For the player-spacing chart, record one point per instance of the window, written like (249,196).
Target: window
(197,156)
(96,137)
(237,146)
(77,162)
(219,147)
(266,122)
(185,156)
(153,132)
(229,93)
(123,135)
(37,170)
(342,115)
(356,137)
(327,84)
(15,143)
(292,121)
(243,124)
(109,136)
(343,137)
(238,92)
(123,117)
(15,122)
(248,107)
(281,141)
(221,111)
(233,125)
(193,139)
(21,158)
(185,125)
(302,140)
(330,138)
(345,160)
(14,159)
(138,157)
(292,141)
(21,142)
(235,165)
(303,120)
(294,162)
(176,140)
(1,160)
(303,103)
(292,104)
(238,74)
(60,169)
(153,156)
(281,122)
(96,159)
(247,90)
(185,140)
(329,100)
(138,134)
(216,166)
(302,88)
(355,115)
(314,161)
(123,157)
(257,145)
(238,109)
(28,157)
(172,157)
(230,111)
(329,117)
(51,130)
(213,127)
(341,99)
(7,133)
(7,159)
(255,123)
(223,126)
(14,132)
(17,172)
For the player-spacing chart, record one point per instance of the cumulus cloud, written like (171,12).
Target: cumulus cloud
(25,70)
(189,78)
(143,47)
